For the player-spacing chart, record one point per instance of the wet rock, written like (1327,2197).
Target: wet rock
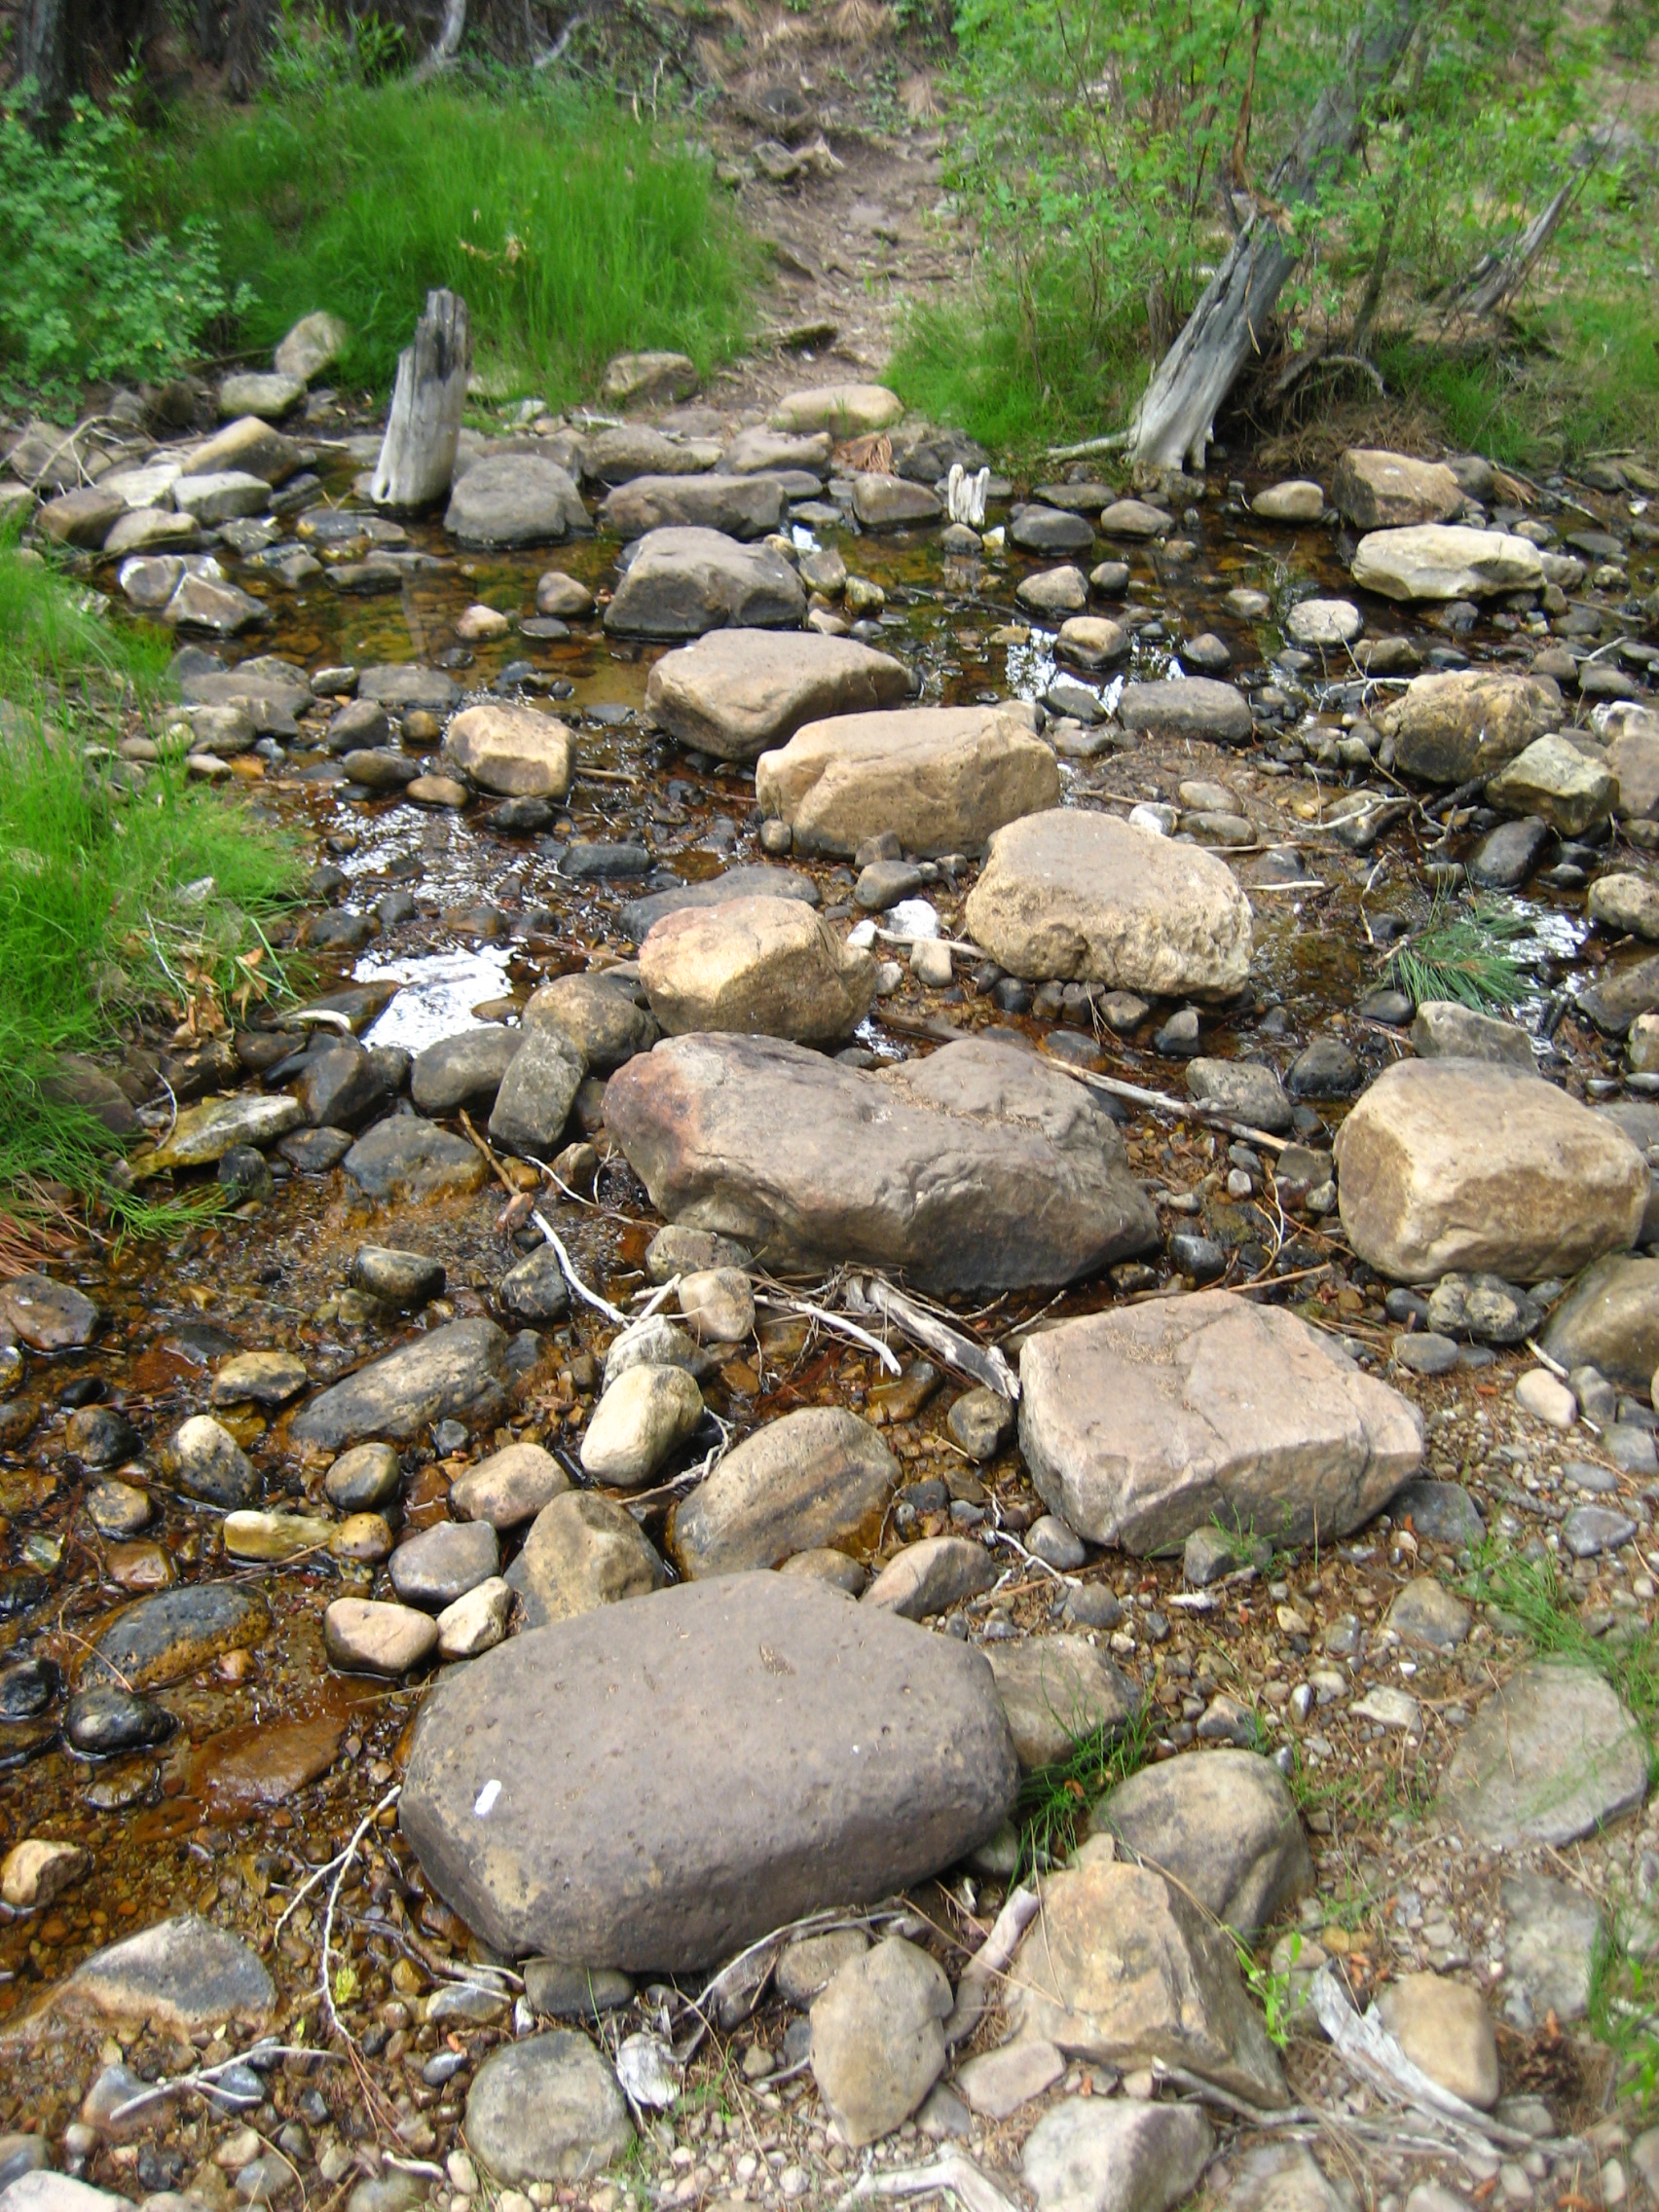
(101,1436)
(684,583)
(1144,1424)
(1444,1030)
(1450,727)
(514,498)
(406,1156)
(1619,996)
(1625,903)
(677,1777)
(1297,500)
(598,1017)
(1054,592)
(44,1314)
(931,1576)
(977,1166)
(396,1278)
(179,1976)
(768,967)
(259,1378)
(1327,1068)
(643,1417)
(1091,2155)
(1376,489)
(367,1476)
(737,692)
(464,1070)
(1089,898)
(510,1486)
(27,1687)
(1441,2026)
(40,1869)
(1091,643)
(1457,1164)
(1426,1613)
(942,778)
(476,1621)
(816,1479)
(981,1421)
(453,1372)
(1555,781)
(744,507)
(1550,1944)
(583,1551)
(367,1635)
(878,2038)
(512,749)
(1610,1320)
(1122,1968)
(161,1639)
(642,915)
(1548,1759)
(443,1563)
(340,1087)
(547,2109)
(536,1092)
(1324,625)
(654,1342)
(718,1304)
(1186,706)
(1245,1090)
(274,1537)
(1224,1825)
(534,1290)
(1055,1689)
(1442,561)
(401,686)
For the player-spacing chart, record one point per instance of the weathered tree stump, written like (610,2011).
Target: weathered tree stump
(417,456)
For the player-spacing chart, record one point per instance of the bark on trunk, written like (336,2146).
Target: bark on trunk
(244,46)
(1497,277)
(417,459)
(447,43)
(1175,419)
(47,55)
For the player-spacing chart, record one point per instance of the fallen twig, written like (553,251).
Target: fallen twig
(568,1268)
(1165,1102)
(952,2171)
(989,1961)
(782,1303)
(868,1294)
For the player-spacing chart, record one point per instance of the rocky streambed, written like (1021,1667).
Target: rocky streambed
(893,1466)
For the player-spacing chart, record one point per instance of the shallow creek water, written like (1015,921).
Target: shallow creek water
(276,1757)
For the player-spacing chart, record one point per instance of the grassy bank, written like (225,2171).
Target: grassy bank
(573,230)
(106,910)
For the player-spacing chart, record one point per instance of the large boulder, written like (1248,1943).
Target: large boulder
(1224,1825)
(736,692)
(1089,898)
(1610,1320)
(1391,490)
(1186,706)
(1123,1968)
(1452,727)
(818,1479)
(742,506)
(1474,1167)
(514,498)
(656,1786)
(516,750)
(766,967)
(457,1372)
(682,582)
(980,1168)
(942,778)
(1144,1423)
(1446,560)
(1568,784)
(848,410)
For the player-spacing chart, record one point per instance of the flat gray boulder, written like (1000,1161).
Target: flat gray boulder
(1186,706)
(1224,1823)
(1551,1756)
(407,1156)
(1434,560)
(184,1973)
(656,1785)
(1144,1423)
(980,1168)
(514,498)
(737,692)
(742,506)
(641,915)
(457,1372)
(682,582)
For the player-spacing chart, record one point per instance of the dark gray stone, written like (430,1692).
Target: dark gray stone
(455,1372)
(641,915)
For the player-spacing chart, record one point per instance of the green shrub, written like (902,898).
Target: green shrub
(82,297)
(573,230)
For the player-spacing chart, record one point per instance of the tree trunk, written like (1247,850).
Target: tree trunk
(244,46)
(447,45)
(47,55)
(417,459)
(1498,276)
(1176,416)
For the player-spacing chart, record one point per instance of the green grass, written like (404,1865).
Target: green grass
(1461,954)
(102,914)
(573,230)
(1623,2014)
(1533,1593)
(1054,1802)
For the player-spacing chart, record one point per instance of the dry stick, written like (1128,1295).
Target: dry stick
(568,1268)
(1137,1094)
(987,1367)
(990,1960)
(204,2077)
(837,1322)
(952,2173)
(342,1863)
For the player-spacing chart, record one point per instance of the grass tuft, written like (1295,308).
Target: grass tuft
(1461,956)
(1054,1802)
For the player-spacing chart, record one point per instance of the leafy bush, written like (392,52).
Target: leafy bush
(83,298)
(573,230)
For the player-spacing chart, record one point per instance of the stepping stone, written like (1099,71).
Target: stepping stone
(514,498)
(941,777)
(682,582)
(1186,706)
(764,967)
(980,1166)
(742,506)
(1464,1164)
(1145,1423)
(1558,783)
(1441,561)
(657,1785)
(405,1156)
(1297,500)
(1087,898)
(511,749)
(737,692)
(1548,1759)
(890,502)
(1375,490)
